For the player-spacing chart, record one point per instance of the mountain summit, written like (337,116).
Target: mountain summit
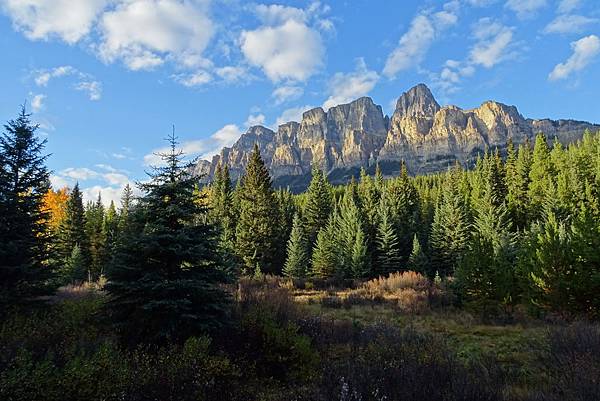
(425,135)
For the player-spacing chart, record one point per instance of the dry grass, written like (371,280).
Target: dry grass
(80,290)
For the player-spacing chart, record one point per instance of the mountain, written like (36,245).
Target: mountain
(427,136)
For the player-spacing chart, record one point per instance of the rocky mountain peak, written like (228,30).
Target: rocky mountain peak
(417,102)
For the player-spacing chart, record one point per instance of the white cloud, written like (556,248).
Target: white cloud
(93,89)
(415,43)
(107,193)
(566,6)
(569,24)
(290,51)
(198,78)
(287,93)
(584,52)
(233,74)
(276,14)
(69,20)
(481,3)
(204,148)
(37,102)
(292,114)
(493,40)
(59,182)
(43,77)
(80,173)
(255,119)
(347,87)
(525,8)
(144,33)
(493,45)
(85,82)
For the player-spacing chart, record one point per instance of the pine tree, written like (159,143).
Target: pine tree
(318,205)
(110,231)
(324,259)
(222,211)
(541,177)
(94,223)
(164,283)
(72,230)
(24,239)
(417,262)
(449,230)
(360,265)
(75,269)
(298,259)
(256,232)
(125,210)
(388,254)
(517,182)
(351,237)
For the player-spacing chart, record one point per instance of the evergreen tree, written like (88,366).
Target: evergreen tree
(351,238)
(318,204)
(324,259)
(75,269)
(257,228)
(94,224)
(165,282)
(110,231)
(360,265)
(541,177)
(298,259)
(286,210)
(72,230)
(222,211)
(24,239)
(388,254)
(417,262)
(449,231)
(517,182)
(125,210)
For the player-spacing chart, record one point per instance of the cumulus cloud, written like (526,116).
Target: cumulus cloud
(291,51)
(569,24)
(493,39)
(287,93)
(67,20)
(415,43)
(288,44)
(37,102)
(346,87)
(525,8)
(493,45)
(292,114)
(585,51)
(233,74)
(84,82)
(198,78)
(203,148)
(144,33)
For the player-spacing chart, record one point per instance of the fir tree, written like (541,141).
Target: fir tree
(351,237)
(164,283)
(324,259)
(298,259)
(256,232)
(24,239)
(222,211)
(318,204)
(417,262)
(75,269)
(110,231)
(72,230)
(94,224)
(541,176)
(388,254)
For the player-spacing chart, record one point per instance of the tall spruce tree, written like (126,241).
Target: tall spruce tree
(541,177)
(257,228)
(222,211)
(449,230)
(418,262)
(351,237)
(73,232)
(24,239)
(164,283)
(94,224)
(318,205)
(298,252)
(388,253)
(325,261)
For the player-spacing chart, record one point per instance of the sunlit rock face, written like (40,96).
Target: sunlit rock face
(425,135)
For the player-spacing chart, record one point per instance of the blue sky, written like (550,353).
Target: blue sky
(106,79)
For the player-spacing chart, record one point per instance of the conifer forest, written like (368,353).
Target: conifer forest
(481,282)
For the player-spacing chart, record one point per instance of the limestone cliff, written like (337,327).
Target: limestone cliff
(421,132)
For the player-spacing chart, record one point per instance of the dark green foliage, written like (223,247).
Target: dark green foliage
(298,259)
(73,233)
(24,241)
(418,262)
(318,204)
(257,229)
(353,258)
(94,231)
(164,281)
(325,259)
(222,212)
(388,253)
